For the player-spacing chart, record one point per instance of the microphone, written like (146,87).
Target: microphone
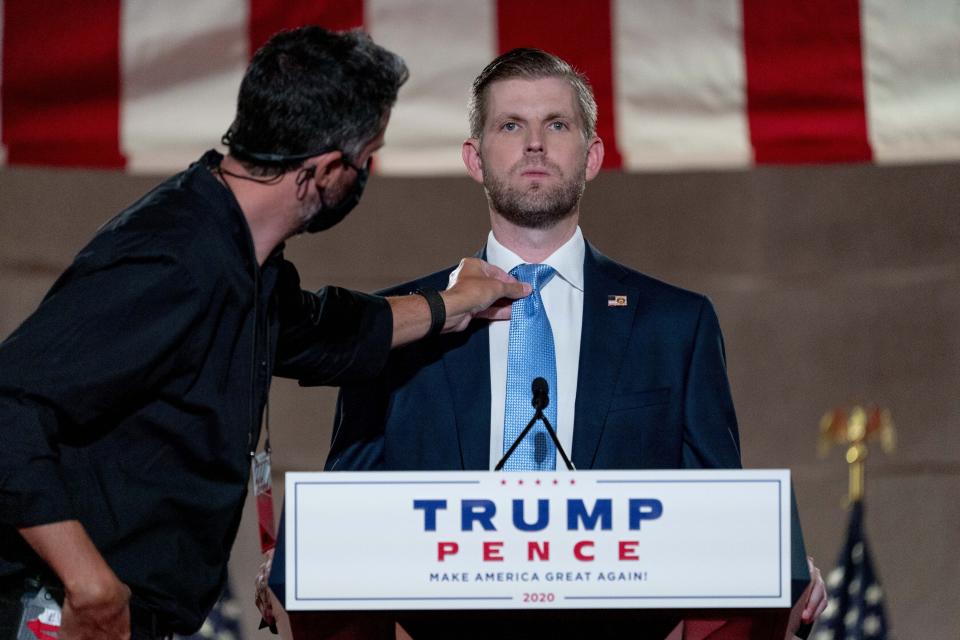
(541,394)
(541,398)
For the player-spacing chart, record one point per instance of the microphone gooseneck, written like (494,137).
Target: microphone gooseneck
(541,398)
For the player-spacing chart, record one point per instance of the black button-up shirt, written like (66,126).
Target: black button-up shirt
(131,399)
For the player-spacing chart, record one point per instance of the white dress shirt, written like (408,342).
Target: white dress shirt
(563,302)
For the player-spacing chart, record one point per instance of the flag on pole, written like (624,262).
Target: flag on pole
(854,595)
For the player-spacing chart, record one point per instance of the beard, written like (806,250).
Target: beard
(536,206)
(317,215)
(307,213)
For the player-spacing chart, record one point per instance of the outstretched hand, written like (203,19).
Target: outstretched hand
(477,289)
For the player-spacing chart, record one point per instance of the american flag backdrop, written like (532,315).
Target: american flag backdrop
(147,85)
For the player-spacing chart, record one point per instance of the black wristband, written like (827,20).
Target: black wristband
(438,310)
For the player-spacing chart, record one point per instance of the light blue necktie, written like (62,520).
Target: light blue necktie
(530,354)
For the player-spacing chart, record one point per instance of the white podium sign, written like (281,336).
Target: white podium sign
(590,539)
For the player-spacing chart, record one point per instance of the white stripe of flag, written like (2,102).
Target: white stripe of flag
(181,64)
(912,77)
(445,44)
(680,80)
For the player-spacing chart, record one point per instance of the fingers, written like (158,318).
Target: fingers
(817,601)
(489,270)
(517,289)
(478,289)
(475,267)
(493,271)
(124,624)
(499,310)
(113,624)
(512,288)
(99,609)
(262,598)
(479,285)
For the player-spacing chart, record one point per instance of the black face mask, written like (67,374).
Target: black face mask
(331,214)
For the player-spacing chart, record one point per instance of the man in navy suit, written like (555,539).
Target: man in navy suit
(641,380)
(640,372)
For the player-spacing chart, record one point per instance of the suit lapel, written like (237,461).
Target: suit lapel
(467,367)
(604,336)
(603,341)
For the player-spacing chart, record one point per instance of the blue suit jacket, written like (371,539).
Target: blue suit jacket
(652,389)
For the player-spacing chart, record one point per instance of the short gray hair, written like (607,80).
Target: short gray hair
(531,64)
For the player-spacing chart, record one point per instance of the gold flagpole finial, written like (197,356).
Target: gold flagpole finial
(853,429)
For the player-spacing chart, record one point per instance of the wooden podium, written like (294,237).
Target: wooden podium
(376,617)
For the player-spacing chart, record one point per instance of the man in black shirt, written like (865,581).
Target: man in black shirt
(130,401)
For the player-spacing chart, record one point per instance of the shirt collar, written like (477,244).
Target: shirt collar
(566,260)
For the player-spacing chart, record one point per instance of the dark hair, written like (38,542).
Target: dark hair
(312,90)
(531,64)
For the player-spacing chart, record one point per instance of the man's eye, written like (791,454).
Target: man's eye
(558,126)
(510,126)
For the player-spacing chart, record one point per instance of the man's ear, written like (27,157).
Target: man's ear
(594,157)
(470,152)
(328,167)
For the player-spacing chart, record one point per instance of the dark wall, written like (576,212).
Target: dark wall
(834,285)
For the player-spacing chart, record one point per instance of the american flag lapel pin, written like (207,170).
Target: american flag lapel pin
(617,301)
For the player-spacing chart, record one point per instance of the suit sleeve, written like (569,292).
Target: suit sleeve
(364,407)
(363,411)
(711,438)
(104,337)
(357,443)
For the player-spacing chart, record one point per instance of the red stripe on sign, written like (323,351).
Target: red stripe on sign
(805,95)
(269,16)
(61,83)
(580,34)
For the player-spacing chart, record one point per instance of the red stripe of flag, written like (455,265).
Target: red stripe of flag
(580,36)
(61,82)
(805,95)
(269,16)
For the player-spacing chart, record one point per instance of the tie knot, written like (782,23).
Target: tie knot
(536,275)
